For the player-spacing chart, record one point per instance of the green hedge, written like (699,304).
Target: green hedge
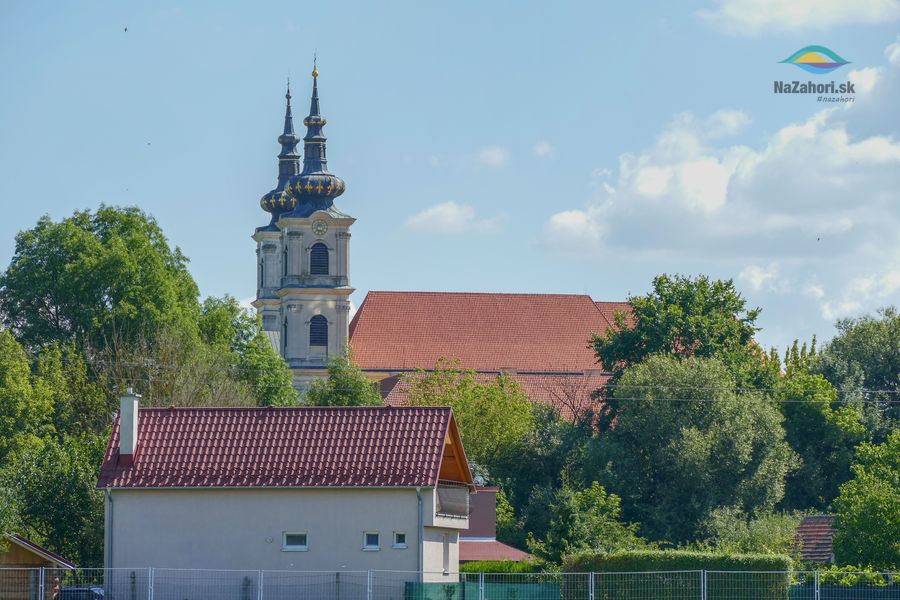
(501,566)
(672,560)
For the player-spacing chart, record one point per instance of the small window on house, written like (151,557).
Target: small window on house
(318,331)
(399,539)
(295,541)
(318,259)
(371,541)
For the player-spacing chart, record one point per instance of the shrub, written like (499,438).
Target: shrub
(673,560)
(502,566)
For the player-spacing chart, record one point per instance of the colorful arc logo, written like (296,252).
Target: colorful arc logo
(816,59)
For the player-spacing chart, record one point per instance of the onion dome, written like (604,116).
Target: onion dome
(314,188)
(278,200)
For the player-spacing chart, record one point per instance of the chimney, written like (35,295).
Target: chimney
(128,427)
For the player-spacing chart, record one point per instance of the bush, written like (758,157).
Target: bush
(502,566)
(673,560)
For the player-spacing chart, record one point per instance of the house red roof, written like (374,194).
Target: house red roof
(283,447)
(814,536)
(489,550)
(394,331)
(35,548)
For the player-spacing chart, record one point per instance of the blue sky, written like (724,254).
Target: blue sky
(503,146)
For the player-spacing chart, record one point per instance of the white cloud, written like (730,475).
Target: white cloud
(751,17)
(817,202)
(892,53)
(493,156)
(451,217)
(864,79)
(762,278)
(543,148)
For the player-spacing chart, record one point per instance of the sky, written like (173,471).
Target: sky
(552,147)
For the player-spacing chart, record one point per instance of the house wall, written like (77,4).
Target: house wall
(243,529)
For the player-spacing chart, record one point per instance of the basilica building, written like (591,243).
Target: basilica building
(303,295)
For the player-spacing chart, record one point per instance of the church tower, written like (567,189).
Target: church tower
(303,287)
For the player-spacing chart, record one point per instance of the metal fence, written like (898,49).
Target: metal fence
(192,584)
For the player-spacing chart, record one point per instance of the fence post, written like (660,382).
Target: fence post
(150,583)
(480,586)
(369,585)
(703,584)
(591,586)
(41,584)
(816,585)
(259,585)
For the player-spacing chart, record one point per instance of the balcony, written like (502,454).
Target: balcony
(452,500)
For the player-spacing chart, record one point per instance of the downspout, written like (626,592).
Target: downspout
(421,533)
(109,529)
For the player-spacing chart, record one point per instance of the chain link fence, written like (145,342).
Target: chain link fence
(195,584)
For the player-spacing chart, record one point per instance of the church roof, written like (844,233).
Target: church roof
(487,332)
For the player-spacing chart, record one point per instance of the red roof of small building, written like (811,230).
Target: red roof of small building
(489,550)
(536,333)
(284,447)
(39,550)
(814,535)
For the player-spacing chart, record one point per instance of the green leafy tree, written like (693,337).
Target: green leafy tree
(22,409)
(586,519)
(346,385)
(686,316)
(80,403)
(867,520)
(823,432)
(54,483)
(685,444)
(732,531)
(95,275)
(492,414)
(863,362)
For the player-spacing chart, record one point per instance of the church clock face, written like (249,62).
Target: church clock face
(319,227)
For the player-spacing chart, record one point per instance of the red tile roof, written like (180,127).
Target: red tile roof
(486,332)
(569,393)
(610,309)
(489,550)
(282,447)
(815,535)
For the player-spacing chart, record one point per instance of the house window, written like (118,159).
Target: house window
(446,540)
(399,539)
(318,331)
(318,259)
(295,541)
(371,541)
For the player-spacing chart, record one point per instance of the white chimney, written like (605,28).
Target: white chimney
(128,427)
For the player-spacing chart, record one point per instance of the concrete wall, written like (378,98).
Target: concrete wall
(243,529)
(439,540)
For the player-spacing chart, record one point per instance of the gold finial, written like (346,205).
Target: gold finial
(315,72)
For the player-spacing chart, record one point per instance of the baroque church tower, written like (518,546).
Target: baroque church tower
(303,287)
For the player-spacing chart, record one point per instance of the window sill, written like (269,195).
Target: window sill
(295,549)
(370,549)
(400,546)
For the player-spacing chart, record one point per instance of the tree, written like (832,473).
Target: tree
(492,414)
(95,275)
(823,432)
(346,385)
(732,531)
(685,444)
(867,520)
(22,409)
(863,362)
(688,317)
(54,484)
(586,519)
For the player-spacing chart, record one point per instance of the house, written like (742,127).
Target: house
(304,488)
(814,536)
(303,291)
(20,564)
(479,541)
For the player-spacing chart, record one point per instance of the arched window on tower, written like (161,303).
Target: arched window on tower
(318,331)
(318,259)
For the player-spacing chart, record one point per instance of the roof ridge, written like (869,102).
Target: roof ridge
(469,293)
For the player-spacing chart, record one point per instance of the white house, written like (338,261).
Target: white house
(306,488)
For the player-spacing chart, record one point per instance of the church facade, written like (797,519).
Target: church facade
(303,296)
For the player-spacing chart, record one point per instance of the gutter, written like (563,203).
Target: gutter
(421,533)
